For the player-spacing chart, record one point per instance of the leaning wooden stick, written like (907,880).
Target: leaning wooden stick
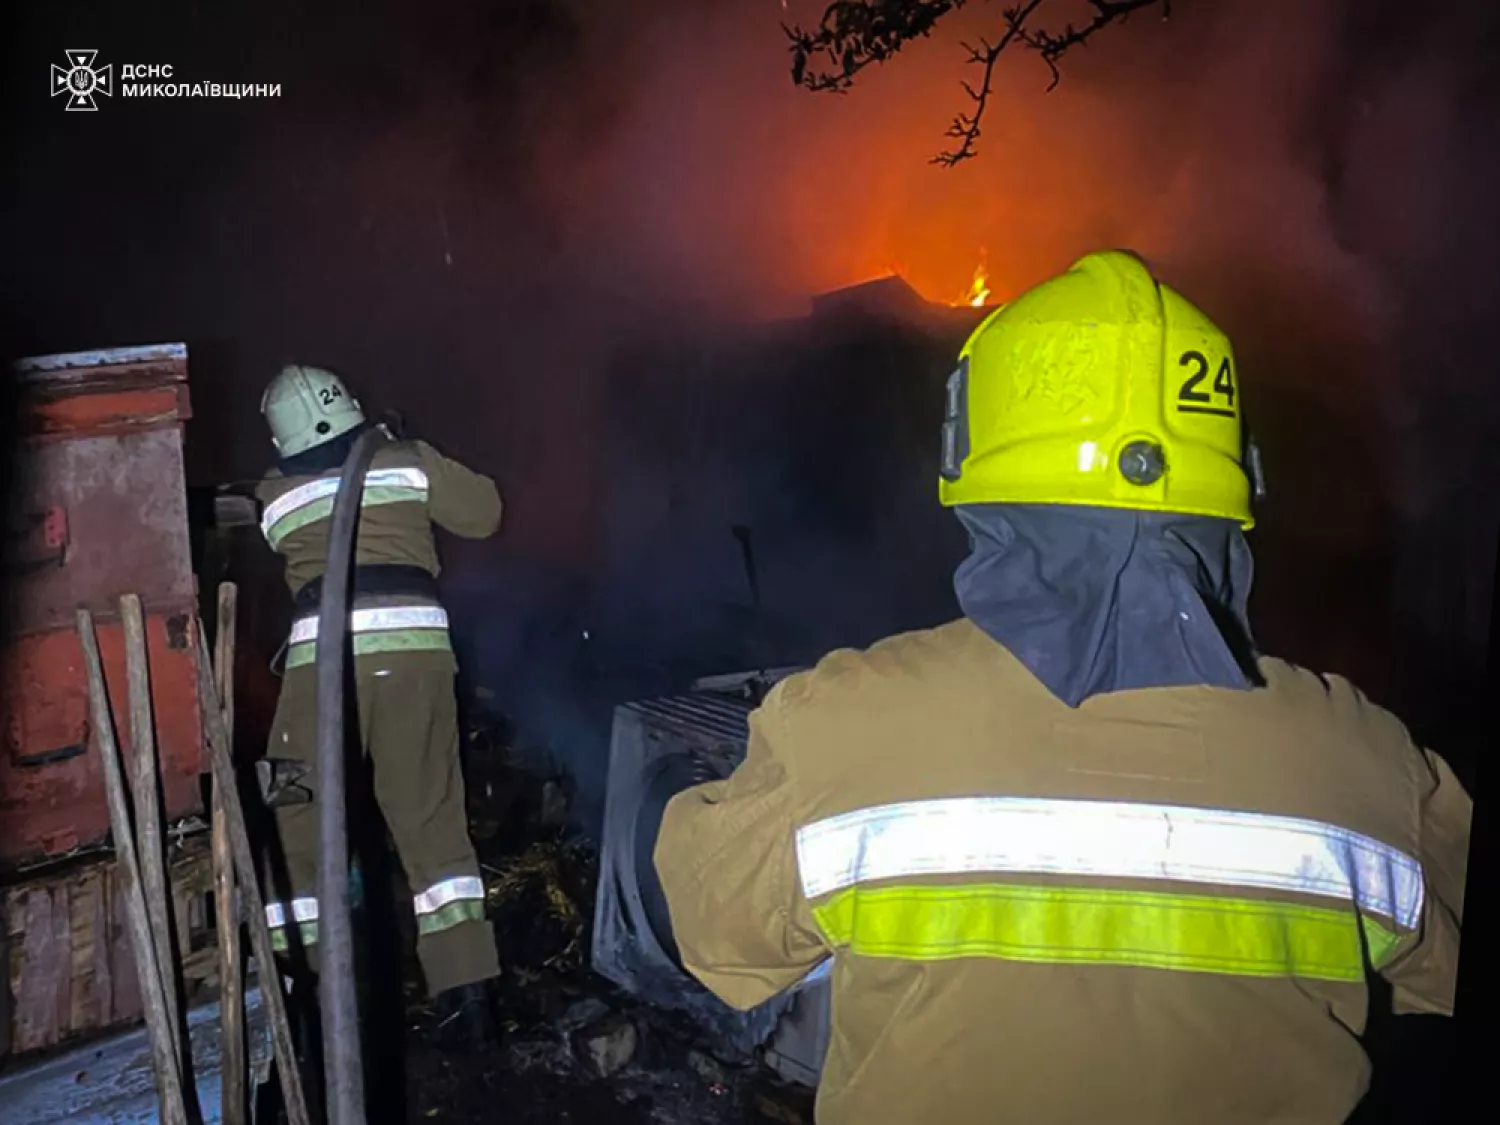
(227,917)
(255,908)
(148,812)
(168,1077)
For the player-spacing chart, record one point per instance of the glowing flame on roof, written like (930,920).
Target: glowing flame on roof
(979,288)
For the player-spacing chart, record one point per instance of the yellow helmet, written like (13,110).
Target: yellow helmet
(1099,387)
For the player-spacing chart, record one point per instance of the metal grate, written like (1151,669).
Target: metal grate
(696,714)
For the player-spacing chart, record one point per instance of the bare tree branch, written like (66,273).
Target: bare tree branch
(855,34)
(965,126)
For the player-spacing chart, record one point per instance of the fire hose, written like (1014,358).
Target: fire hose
(343,1062)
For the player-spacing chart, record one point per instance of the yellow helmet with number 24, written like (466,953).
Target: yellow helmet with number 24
(1099,387)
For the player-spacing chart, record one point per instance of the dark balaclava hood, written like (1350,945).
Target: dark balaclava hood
(324,456)
(1096,600)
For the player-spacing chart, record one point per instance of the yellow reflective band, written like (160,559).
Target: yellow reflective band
(1189,933)
(311,502)
(323,509)
(1380,943)
(454,914)
(365,644)
(999,836)
(307,935)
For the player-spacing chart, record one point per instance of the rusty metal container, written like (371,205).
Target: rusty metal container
(100,510)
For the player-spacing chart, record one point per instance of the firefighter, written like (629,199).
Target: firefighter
(403,679)
(1084,854)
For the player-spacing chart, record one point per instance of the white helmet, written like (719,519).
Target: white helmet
(306,406)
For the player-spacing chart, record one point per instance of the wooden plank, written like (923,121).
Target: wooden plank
(102,969)
(41,990)
(254,905)
(127,1002)
(158,1016)
(67,943)
(83,1005)
(148,823)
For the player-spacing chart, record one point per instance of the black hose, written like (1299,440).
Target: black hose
(344,1085)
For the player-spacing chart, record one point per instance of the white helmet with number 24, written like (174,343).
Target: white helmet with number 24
(306,406)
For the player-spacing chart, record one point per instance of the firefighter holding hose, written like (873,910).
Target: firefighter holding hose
(403,680)
(1085,854)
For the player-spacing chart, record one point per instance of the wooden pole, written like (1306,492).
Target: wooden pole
(168,1078)
(255,907)
(148,826)
(227,918)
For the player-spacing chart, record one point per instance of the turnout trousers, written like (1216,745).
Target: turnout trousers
(408,734)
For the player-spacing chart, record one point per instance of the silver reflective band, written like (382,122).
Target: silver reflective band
(303,910)
(325,487)
(379,620)
(1121,840)
(439,895)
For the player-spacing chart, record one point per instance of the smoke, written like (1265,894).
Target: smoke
(502,219)
(1316,174)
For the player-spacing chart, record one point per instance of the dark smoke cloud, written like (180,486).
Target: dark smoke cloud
(1319,175)
(501,218)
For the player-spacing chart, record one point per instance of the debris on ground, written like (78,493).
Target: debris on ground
(605,1047)
(574,1049)
(554,811)
(707,1068)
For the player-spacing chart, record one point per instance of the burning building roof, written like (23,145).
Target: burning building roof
(895,299)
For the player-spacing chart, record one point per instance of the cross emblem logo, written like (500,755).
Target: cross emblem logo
(81,80)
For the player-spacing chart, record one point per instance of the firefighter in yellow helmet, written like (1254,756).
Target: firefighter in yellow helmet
(403,680)
(1083,855)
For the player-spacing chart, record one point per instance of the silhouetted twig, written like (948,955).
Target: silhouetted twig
(854,34)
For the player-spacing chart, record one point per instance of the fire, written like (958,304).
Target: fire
(979,288)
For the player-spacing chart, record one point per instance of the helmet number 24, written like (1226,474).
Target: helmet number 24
(1191,400)
(328,395)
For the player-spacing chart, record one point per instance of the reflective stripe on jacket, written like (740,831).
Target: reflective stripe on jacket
(386,628)
(1160,906)
(865,868)
(408,488)
(307,503)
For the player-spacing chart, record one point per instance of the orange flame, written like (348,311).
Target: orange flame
(979,288)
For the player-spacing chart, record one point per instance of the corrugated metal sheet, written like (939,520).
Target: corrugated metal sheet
(658,746)
(696,714)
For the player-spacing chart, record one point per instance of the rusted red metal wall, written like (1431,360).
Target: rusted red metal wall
(100,511)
